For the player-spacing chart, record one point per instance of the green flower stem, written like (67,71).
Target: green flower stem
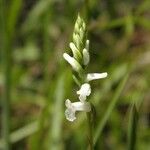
(90,130)
(80,50)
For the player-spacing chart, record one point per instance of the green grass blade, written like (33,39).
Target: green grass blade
(108,112)
(34,15)
(14,13)
(57,116)
(132,128)
(6,66)
(21,133)
(9,18)
(144,6)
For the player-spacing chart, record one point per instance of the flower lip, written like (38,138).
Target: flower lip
(84,91)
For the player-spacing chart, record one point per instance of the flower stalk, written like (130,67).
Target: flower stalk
(79,62)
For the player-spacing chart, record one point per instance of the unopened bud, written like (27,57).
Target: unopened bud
(86,57)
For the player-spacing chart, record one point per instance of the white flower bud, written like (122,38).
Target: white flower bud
(83,25)
(94,76)
(75,65)
(79,21)
(84,91)
(86,57)
(87,44)
(76,53)
(82,32)
(77,40)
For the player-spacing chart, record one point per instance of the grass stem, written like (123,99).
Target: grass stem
(132,128)
(7,80)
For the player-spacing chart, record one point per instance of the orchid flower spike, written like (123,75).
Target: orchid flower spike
(84,91)
(95,76)
(79,62)
(76,106)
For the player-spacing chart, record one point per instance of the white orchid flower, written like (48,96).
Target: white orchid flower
(73,62)
(84,91)
(95,76)
(76,106)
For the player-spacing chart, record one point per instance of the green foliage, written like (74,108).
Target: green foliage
(109,110)
(132,128)
(34,81)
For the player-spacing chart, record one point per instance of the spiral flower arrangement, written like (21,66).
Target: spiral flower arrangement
(79,62)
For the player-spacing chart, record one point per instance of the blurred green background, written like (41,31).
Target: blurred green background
(35,80)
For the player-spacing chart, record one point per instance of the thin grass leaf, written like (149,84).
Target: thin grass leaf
(42,120)
(129,25)
(6,95)
(9,19)
(132,128)
(21,133)
(108,112)
(35,14)
(57,118)
(13,15)
(144,6)
(143,22)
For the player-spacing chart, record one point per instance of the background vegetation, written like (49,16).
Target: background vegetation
(35,80)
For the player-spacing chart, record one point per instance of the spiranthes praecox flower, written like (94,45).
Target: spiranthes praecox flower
(84,91)
(73,62)
(75,106)
(95,76)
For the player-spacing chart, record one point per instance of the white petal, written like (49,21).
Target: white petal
(82,98)
(86,56)
(68,103)
(70,115)
(76,106)
(70,111)
(84,91)
(94,76)
(75,65)
(80,106)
